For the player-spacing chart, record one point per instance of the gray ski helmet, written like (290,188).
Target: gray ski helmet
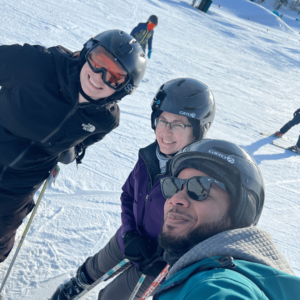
(126,50)
(233,166)
(186,97)
(153,19)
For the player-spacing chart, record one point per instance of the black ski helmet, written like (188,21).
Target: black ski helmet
(153,19)
(186,97)
(233,166)
(127,51)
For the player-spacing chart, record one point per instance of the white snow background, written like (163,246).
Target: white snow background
(252,67)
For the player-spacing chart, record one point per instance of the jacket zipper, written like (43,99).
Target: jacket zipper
(62,122)
(151,184)
(44,140)
(144,36)
(16,159)
(147,197)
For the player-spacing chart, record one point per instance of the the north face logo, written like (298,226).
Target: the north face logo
(88,127)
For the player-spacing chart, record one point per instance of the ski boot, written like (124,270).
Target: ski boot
(278,134)
(295,149)
(72,288)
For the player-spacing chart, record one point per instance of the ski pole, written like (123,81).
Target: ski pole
(155,283)
(52,177)
(137,287)
(103,278)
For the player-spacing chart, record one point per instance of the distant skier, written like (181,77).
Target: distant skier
(288,126)
(144,32)
(182,112)
(54,105)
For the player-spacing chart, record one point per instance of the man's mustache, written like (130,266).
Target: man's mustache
(176,210)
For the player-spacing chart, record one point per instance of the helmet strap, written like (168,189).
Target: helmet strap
(85,96)
(115,98)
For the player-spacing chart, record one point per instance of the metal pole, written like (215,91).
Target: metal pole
(155,283)
(102,278)
(24,233)
(137,287)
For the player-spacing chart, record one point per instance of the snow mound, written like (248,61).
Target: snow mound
(245,9)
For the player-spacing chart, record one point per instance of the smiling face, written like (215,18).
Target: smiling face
(170,142)
(188,222)
(93,85)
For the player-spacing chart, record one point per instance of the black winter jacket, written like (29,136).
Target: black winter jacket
(40,116)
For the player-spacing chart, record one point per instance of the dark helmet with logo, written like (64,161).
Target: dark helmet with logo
(153,19)
(235,168)
(186,97)
(129,54)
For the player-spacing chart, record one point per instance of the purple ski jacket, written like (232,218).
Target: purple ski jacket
(142,199)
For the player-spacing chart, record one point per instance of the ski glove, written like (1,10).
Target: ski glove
(80,153)
(297,112)
(136,247)
(153,266)
(71,154)
(149,53)
(67,156)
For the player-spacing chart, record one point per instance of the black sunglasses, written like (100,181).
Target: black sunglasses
(197,187)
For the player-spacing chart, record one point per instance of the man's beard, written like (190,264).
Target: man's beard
(179,245)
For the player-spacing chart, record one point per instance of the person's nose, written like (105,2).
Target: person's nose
(168,130)
(99,76)
(179,199)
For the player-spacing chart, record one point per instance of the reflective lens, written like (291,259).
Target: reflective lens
(100,60)
(197,187)
(170,186)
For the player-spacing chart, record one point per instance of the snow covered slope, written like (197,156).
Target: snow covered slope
(259,14)
(289,16)
(254,74)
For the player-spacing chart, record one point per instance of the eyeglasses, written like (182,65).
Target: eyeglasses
(102,61)
(174,126)
(197,187)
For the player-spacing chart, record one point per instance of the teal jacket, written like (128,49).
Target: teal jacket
(240,264)
(209,280)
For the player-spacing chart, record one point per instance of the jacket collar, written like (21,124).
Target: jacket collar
(251,244)
(148,154)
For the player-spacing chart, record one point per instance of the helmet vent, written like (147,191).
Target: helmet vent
(223,150)
(194,94)
(121,32)
(190,108)
(180,82)
(125,49)
(132,41)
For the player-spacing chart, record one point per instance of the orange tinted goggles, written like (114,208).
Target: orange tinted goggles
(102,61)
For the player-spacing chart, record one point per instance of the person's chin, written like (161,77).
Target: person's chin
(175,229)
(167,149)
(93,94)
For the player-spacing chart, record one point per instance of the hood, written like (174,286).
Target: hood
(250,244)
(68,71)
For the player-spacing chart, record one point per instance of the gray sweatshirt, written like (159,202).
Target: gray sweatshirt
(250,244)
